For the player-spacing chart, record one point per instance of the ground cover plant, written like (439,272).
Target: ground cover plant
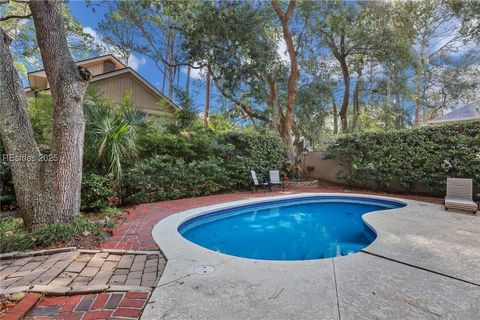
(84,230)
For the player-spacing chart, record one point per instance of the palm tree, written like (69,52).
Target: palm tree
(111,135)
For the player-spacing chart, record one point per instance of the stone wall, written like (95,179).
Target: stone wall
(301,184)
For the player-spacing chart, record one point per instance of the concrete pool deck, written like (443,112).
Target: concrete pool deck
(424,264)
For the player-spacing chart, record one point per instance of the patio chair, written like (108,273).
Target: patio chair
(257,184)
(459,195)
(275,179)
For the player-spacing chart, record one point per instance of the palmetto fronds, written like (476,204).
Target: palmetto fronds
(112,133)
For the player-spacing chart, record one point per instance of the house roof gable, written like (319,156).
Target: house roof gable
(89,61)
(122,70)
(137,76)
(470,111)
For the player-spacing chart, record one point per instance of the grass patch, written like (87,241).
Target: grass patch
(14,238)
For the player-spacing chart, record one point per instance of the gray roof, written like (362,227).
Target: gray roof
(470,111)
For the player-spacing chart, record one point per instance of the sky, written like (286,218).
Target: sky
(147,68)
(143,65)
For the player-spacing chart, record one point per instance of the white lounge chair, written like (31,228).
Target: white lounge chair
(275,179)
(257,184)
(459,195)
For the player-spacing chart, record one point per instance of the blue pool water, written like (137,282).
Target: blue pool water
(296,229)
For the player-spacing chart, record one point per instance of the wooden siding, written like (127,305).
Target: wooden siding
(39,82)
(115,87)
(95,68)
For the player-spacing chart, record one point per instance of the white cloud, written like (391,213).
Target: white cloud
(96,37)
(196,73)
(105,48)
(136,62)
(282,51)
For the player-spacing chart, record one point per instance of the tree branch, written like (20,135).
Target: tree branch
(15,16)
(245,108)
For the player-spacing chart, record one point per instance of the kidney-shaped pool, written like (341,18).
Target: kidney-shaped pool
(291,229)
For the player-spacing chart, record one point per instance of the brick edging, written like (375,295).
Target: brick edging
(17,254)
(21,308)
(70,291)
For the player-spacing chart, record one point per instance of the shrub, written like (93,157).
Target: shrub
(14,238)
(164,178)
(420,156)
(96,192)
(7,191)
(187,146)
(261,153)
(240,151)
(111,135)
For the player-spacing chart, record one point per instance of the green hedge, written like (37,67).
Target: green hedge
(177,166)
(164,178)
(251,152)
(404,159)
(226,167)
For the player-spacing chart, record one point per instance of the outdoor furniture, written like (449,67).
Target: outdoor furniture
(459,195)
(257,184)
(275,179)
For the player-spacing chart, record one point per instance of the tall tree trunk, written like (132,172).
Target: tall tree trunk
(68,85)
(416,100)
(34,199)
(177,71)
(279,117)
(398,107)
(187,85)
(47,191)
(389,87)
(287,120)
(273,102)
(335,114)
(357,96)
(207,96)
(346,94)
(171,60)
(164,77)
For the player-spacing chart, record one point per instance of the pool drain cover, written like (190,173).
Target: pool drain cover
(204,270)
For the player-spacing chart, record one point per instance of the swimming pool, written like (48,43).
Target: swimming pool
(307,228)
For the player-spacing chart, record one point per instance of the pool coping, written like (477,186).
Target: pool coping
(173,244)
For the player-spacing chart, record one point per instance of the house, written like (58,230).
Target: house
(113,79)
(468,112)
